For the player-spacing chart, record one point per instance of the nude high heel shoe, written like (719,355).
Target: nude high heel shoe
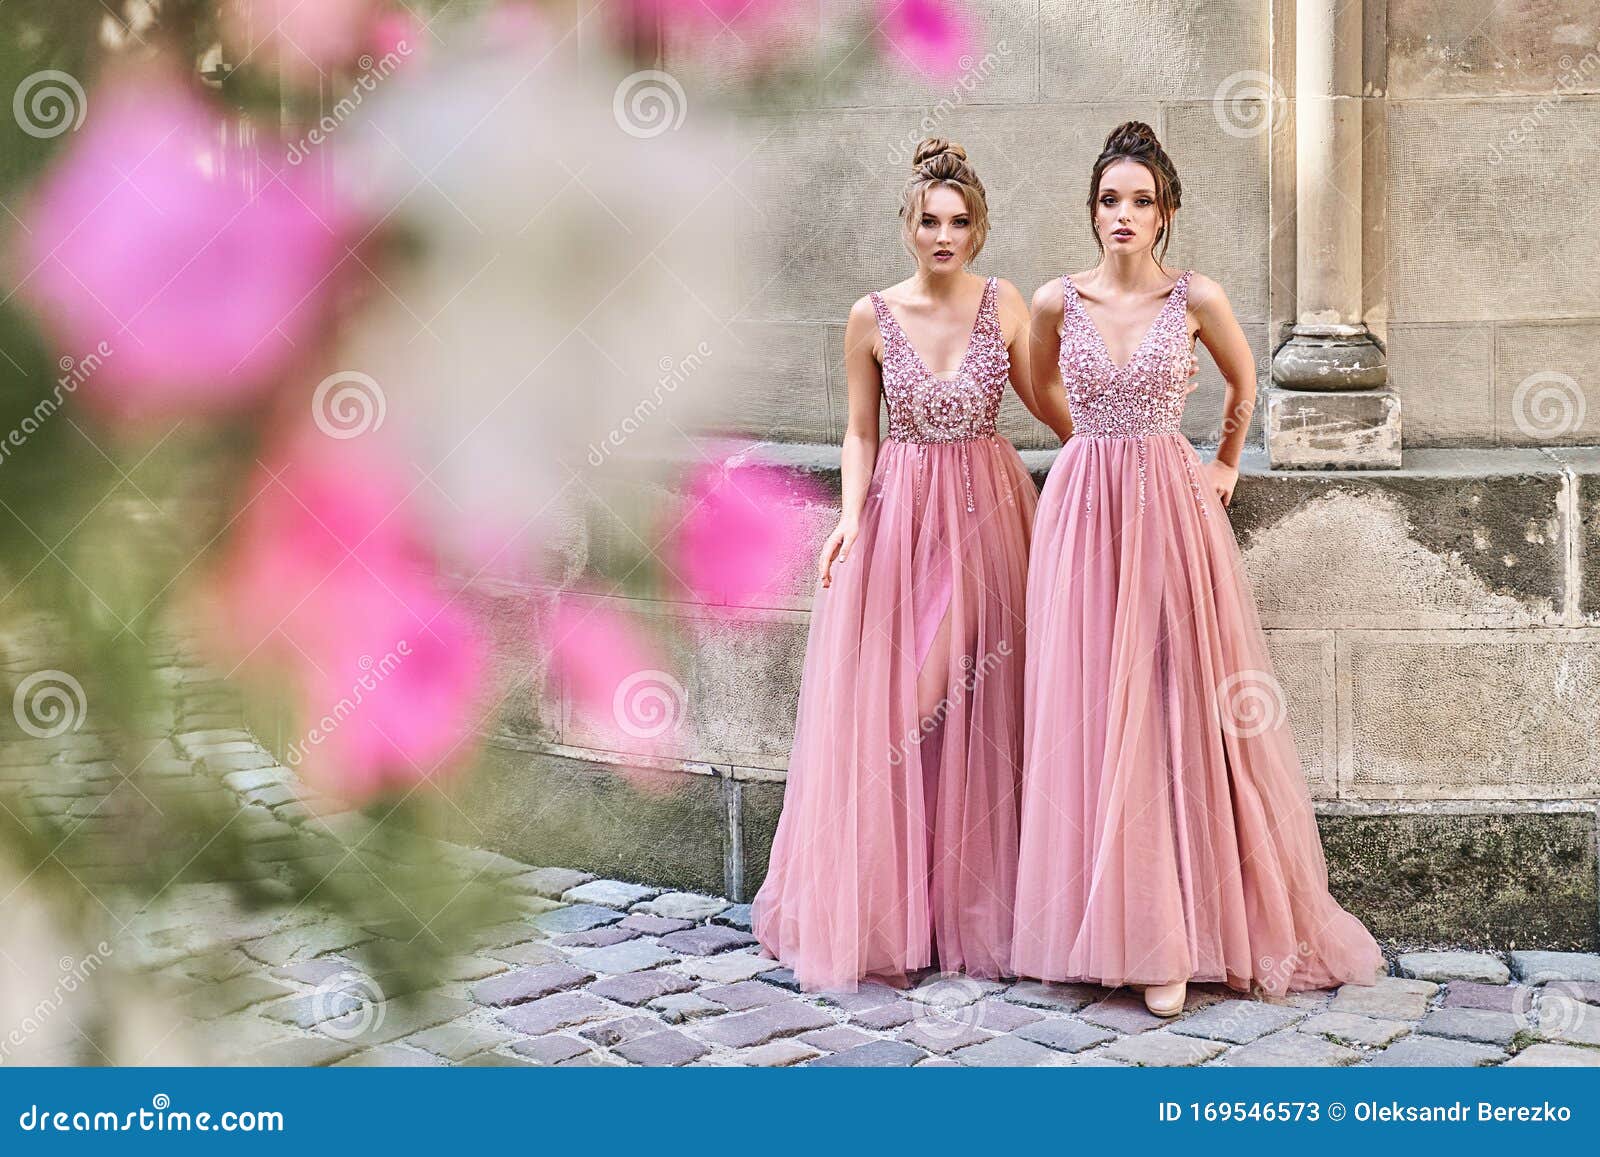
(1166,999)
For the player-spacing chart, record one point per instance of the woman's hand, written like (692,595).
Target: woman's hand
(1223,478)
(836,549)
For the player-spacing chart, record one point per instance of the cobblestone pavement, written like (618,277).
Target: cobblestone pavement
(609,972)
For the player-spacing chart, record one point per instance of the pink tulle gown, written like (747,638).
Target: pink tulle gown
(1167,831)
(897,844)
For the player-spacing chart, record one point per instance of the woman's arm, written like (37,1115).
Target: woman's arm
(864,385)
(1043,361)
(1220,332)
(1014,327)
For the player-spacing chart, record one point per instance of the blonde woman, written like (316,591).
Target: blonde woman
(897,845)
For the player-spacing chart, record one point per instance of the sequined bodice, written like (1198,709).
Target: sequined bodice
(1145,396)
(925,408)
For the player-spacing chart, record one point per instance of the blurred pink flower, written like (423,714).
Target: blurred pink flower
(612,675)
(518,22)
(300,39)
(709,14)
(739,39)
(400,33)
(931,37)
(743,532)
(326,582)
(147,235)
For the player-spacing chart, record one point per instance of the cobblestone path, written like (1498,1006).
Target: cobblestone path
(611,972)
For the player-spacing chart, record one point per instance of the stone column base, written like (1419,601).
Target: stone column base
(1321,430)
(1330,358)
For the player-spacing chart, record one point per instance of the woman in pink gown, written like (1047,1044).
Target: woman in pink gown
(897,844)
(1167,831)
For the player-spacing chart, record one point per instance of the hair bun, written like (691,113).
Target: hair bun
(939,162)
(1137,142)
(933,147)
(1131,136)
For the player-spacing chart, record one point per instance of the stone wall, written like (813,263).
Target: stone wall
(1436,629)
(1436,632)
(1490,196)
(1479,123)
(822,176)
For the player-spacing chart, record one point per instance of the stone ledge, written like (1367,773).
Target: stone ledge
(1438,874)
(1462,574)
(1430,878)
(1454,537)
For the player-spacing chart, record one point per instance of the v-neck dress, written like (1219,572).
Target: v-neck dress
(1167,829)
(896,847)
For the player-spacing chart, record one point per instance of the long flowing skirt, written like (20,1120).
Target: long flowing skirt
(1167,830)
(897,844)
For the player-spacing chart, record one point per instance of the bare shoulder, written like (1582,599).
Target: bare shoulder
(1048,298)
(863,310)
(1011,309)
(1205,295)
(861,327)
(1007,293)
(900,293)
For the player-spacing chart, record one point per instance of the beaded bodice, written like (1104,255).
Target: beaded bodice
(1145,396)
(925,408)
